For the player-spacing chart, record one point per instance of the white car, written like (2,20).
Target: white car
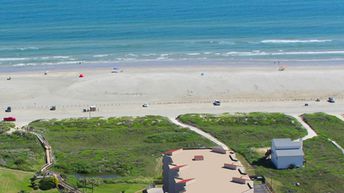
(145,105)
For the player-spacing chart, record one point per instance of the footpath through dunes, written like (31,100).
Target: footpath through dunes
(250,135)
(330,126)
(127,148)
(310,132)
(200,132)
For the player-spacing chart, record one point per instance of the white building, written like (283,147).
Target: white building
(286,153)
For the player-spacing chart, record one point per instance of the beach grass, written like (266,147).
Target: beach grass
(327,125)
(323,171)
(246,133)
(125,147)
(324,168)
(21,151)
(13,181)
(5,126)
(117,188)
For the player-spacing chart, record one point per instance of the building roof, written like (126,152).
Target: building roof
(286,143)
(207,175)
(289,153)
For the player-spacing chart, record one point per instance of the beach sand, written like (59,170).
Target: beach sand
(170,91)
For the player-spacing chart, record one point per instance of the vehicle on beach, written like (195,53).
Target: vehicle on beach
(115,70)
(8,110)
(145,105)
(52,108)
(217,103)
(9,119)
(306,104)
(93,108)
(331,100)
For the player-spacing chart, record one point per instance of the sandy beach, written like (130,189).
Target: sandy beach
(170,91)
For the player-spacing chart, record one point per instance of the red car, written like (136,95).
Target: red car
(9,119)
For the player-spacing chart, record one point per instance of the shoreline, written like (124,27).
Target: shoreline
(228,63)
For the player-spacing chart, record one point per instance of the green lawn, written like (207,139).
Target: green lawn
(21,151)
(13,181)
(126,146)
(323,172)
(327,125)
(246,132)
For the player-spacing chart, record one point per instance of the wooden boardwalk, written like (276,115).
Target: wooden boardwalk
(49,159)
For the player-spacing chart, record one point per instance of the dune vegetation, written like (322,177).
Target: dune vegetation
(245,133)
(327,125)
(21,151)
(118,150)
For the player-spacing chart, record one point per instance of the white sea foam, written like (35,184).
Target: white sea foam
(291,41)
(260,53)
(194,54)
(13,59)
(20,48)
(100,55)
(45,63)
(35,58)
(50,57)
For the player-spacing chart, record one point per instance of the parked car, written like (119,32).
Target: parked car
(331,100)
(8,110)
(145,105)
(216,103)
(52,108)
(9,119)
(306,104)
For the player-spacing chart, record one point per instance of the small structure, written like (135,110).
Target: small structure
(81,75)
(240,180)
(232,166)
(218,149)
(198,158)
(286,153)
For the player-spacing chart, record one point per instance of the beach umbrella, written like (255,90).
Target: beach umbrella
(81,76)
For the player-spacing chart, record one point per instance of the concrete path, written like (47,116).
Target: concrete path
(200,132)
(341,117)
(310,132)
(337,145)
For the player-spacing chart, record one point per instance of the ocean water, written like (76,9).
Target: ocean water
(66,32)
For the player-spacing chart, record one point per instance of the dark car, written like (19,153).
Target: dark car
(216,103)
(331,100)
(52,108)
(8,110)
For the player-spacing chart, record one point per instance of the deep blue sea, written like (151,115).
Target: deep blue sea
(66,32)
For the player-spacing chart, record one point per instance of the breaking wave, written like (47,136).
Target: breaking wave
(290,41)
